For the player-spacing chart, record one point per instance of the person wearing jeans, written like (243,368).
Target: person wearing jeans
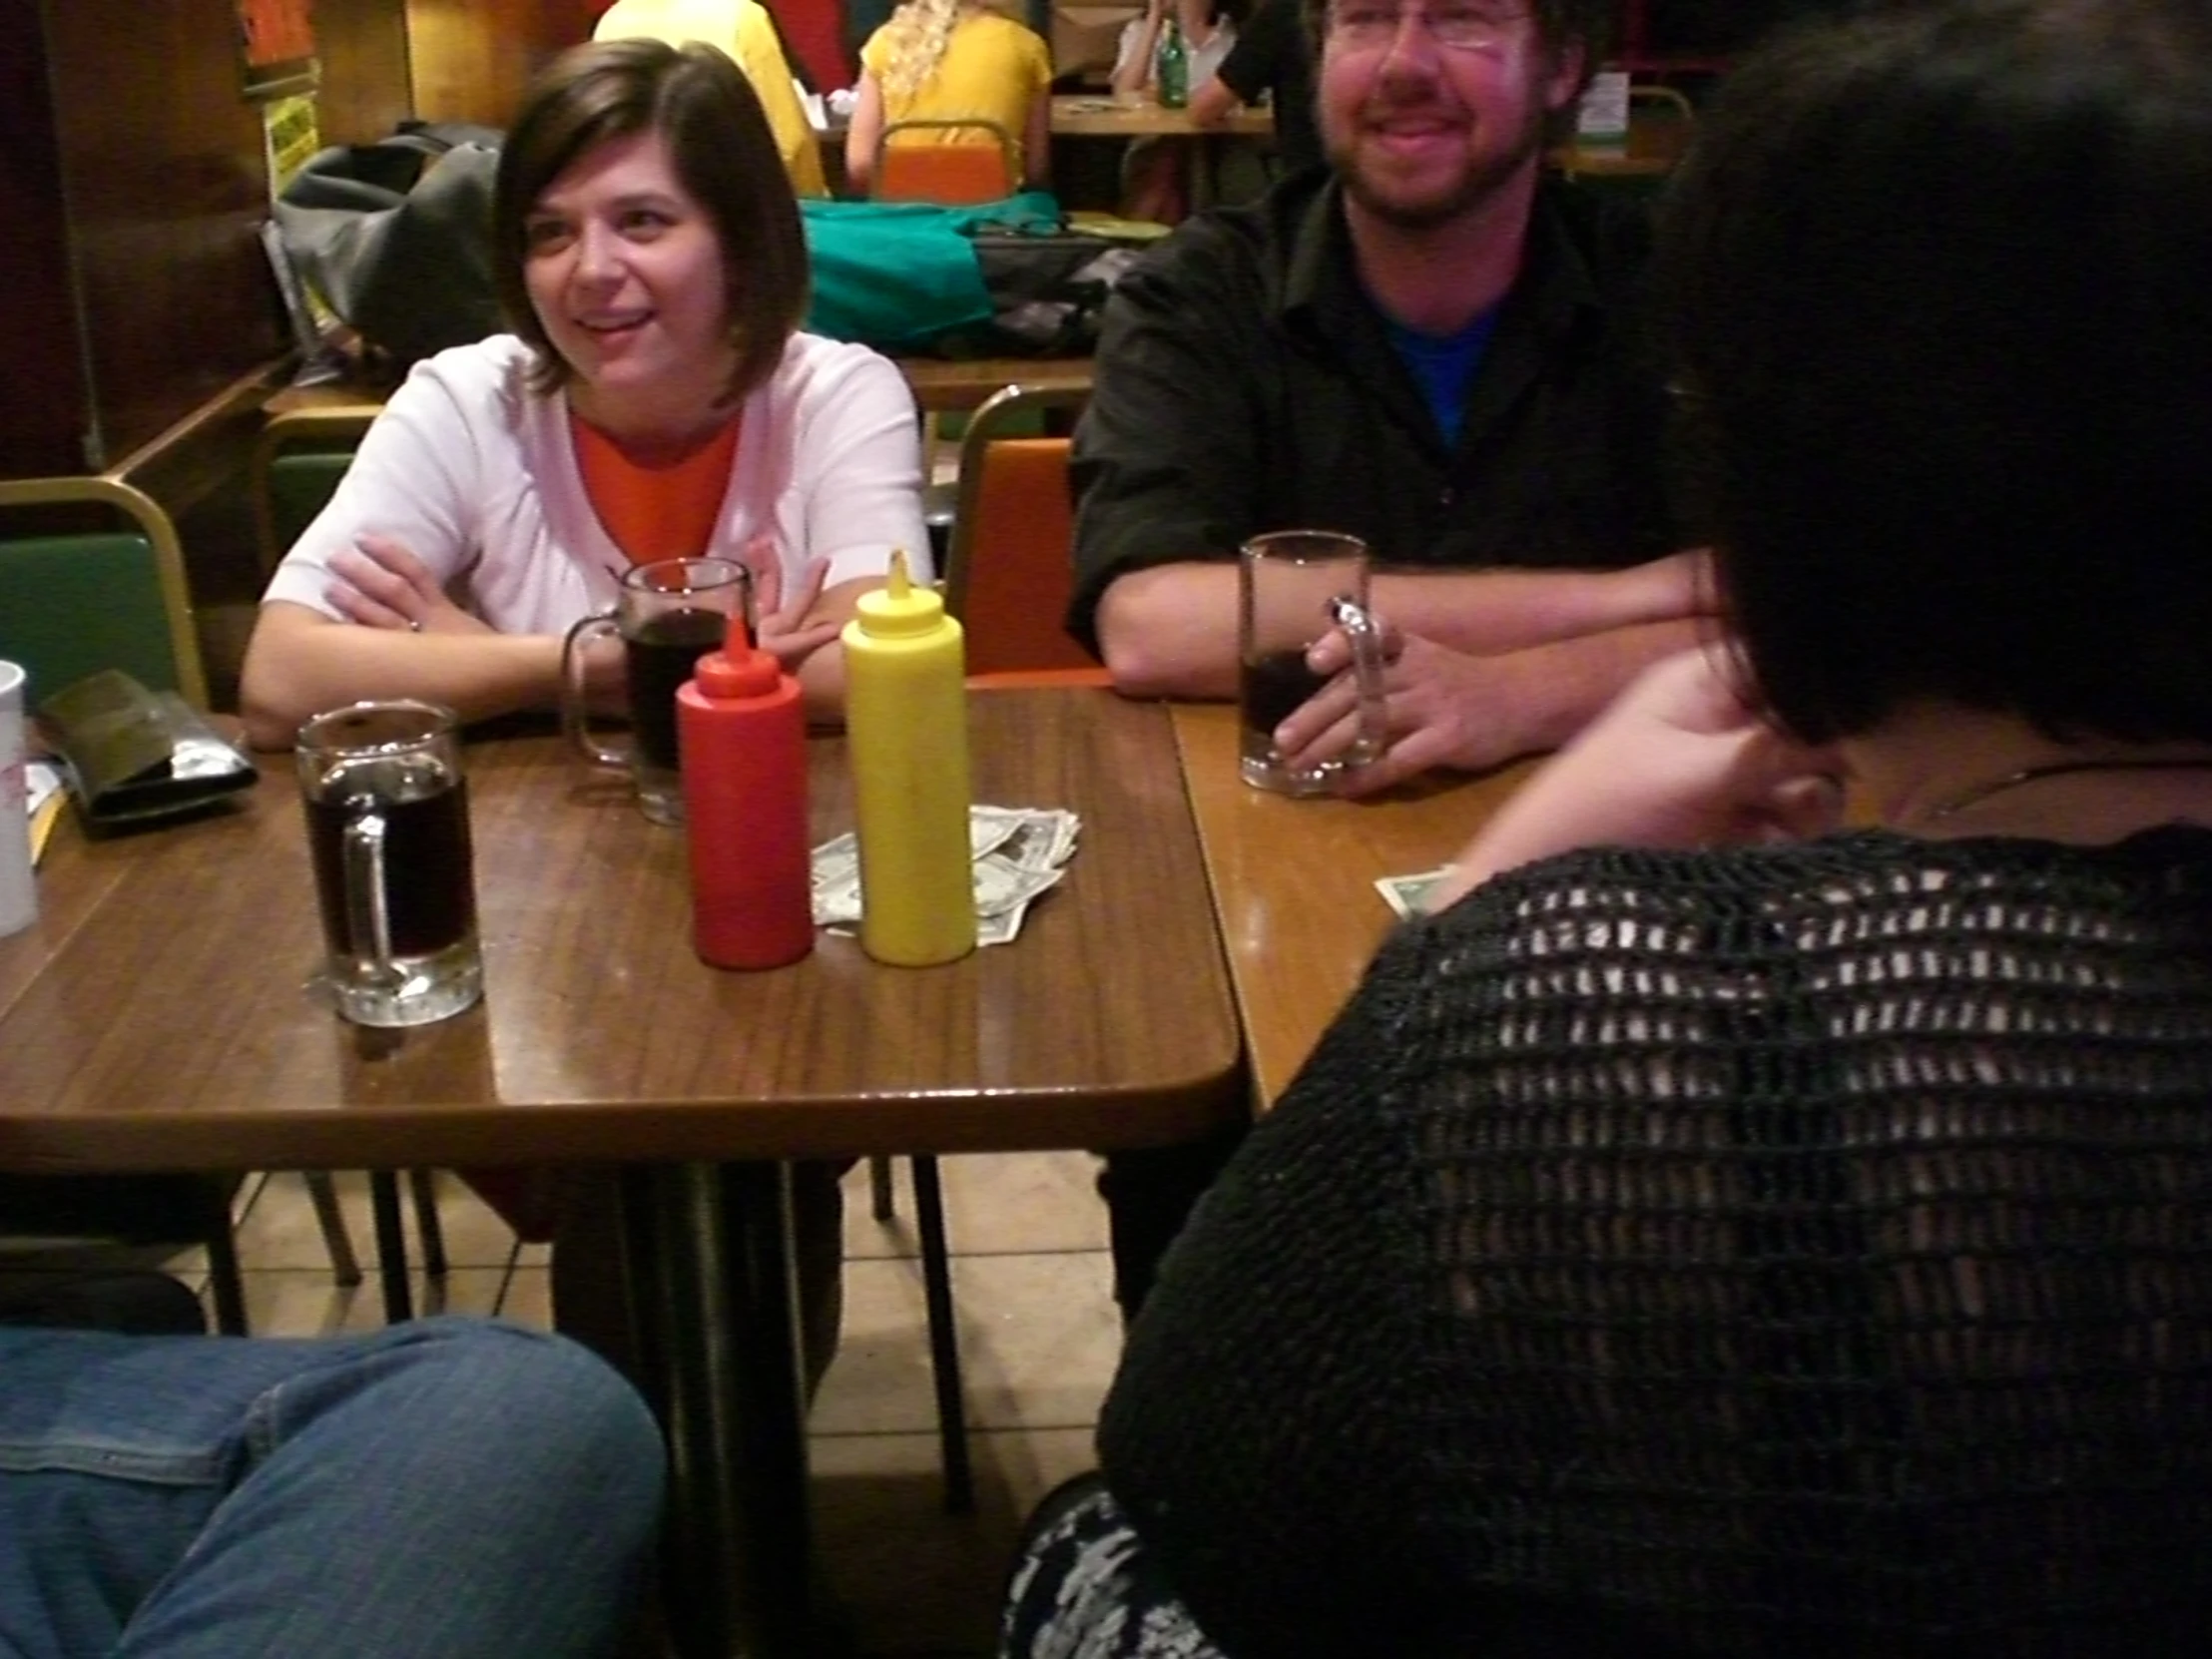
(450,1488)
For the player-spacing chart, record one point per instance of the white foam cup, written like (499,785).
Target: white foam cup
(18,889)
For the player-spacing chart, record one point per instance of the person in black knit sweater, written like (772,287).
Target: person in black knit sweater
(1714,1231)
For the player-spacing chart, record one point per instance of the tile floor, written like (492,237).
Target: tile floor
(1038,1335)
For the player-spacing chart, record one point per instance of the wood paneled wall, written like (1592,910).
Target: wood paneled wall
(138,166)
(474,58)
(44,398)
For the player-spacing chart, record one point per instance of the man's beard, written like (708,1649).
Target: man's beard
(1478,184)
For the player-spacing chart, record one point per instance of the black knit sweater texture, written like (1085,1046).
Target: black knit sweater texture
(1796,1251)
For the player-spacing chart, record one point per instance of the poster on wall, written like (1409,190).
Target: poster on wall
(277,41)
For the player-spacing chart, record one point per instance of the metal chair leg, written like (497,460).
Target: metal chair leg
(225,1281)
(392,1244)
(423,1184)
(322,1192)
(945,1338)
(881,1199)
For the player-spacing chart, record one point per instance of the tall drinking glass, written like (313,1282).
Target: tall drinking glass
(1293,587)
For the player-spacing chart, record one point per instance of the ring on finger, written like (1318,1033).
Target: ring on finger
(414,624)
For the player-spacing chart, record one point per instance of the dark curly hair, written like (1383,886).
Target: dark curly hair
(1939,287)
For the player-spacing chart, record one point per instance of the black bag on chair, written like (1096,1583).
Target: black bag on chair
(395,235)
(1048,288)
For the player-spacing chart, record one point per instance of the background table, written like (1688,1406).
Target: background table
(1656,141)
(946,385)
(1087,118)
(1292,881)
(158,1016)
(939,384)
(1093,116)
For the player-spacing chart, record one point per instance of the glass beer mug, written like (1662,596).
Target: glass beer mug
(387,829)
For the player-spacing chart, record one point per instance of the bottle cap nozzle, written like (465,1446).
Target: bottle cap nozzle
(739,669)
(900,605)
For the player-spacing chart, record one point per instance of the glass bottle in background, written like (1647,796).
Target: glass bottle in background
(1171,65)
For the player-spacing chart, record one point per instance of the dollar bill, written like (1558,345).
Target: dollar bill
(1408,896)
(1019,854)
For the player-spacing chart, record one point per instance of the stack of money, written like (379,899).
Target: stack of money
(1020,853)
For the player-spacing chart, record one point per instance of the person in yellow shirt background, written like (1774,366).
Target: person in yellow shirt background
(952,60)
(743,30)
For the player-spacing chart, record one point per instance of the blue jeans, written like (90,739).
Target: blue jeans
(451,1489)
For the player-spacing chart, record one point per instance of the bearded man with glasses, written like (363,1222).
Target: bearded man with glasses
(1429,345)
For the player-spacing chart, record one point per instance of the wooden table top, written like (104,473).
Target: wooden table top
(158,1015)
(1654,144)
(1294,882)
(939,384)
(1656,141)
(1093,115)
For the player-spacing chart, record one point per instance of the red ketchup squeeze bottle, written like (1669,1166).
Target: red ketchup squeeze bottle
(742,740)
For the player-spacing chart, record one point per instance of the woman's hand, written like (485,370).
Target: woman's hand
(1679,760)
(382,585)
(785,629)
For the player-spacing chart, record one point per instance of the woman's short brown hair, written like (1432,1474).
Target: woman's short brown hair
(724,154)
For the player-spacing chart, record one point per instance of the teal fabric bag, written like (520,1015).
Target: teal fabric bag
(900,275)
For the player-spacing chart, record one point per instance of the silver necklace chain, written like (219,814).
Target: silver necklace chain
(2056,768)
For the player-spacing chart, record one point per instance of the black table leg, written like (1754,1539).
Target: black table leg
(391,1246)
(708,1255)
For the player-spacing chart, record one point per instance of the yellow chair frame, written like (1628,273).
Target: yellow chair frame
(986,426)
(338,427)
(956,191)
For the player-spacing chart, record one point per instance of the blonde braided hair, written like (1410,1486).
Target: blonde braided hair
(916,38)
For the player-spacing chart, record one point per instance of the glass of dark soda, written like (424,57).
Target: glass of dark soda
(667,615)
(388,832)
(1293,587)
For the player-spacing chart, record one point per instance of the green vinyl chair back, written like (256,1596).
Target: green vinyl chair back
(77,601)
(297,462)
(72,603)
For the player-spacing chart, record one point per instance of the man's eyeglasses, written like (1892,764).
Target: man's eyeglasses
(1464,27)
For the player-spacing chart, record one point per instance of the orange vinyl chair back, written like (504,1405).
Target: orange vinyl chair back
(957,163)
(1010,569)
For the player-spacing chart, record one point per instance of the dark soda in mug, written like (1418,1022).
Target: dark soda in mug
(430,898)
(658,655)
(1273,686)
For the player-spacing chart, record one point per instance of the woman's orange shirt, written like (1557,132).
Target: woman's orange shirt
(668,511)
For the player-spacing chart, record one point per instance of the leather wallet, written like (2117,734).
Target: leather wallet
(135,756)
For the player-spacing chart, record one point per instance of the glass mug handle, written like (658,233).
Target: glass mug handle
(576,699)
(368,906)
(1365,635)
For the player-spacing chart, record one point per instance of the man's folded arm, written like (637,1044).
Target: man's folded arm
(1170,630)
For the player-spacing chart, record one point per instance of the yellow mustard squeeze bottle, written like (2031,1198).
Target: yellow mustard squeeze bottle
(906,714)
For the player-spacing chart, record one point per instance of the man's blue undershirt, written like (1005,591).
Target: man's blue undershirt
(1444,365)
